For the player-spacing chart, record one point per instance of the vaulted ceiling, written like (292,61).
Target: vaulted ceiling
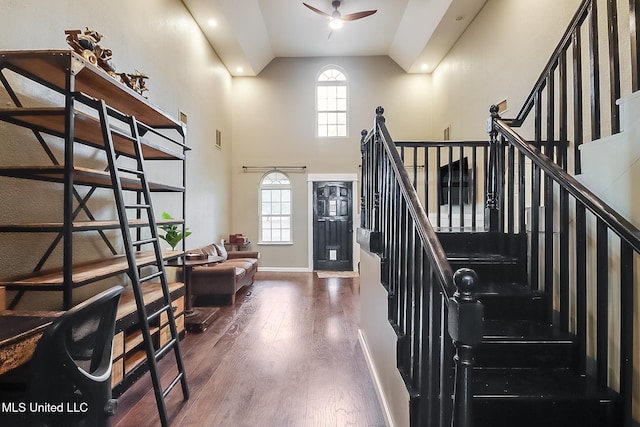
(248,34)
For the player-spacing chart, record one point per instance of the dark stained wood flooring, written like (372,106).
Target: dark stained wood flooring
(287,354)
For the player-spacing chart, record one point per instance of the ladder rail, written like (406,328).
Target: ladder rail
(153,226)
(104,112)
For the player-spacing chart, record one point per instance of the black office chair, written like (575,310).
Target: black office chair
(71,367)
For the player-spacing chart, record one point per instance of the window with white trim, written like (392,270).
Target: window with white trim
(331,103)
(275,208)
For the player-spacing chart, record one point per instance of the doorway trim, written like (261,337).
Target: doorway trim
(355,201)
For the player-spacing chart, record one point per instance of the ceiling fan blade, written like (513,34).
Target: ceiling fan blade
(317,10)
(358,15)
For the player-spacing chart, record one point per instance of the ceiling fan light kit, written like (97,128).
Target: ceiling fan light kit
(336,23)
(336,19)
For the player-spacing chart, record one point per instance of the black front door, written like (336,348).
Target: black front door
(332,226)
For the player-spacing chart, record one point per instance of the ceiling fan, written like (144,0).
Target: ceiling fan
(336,19)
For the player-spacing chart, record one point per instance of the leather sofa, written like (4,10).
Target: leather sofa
(210,282)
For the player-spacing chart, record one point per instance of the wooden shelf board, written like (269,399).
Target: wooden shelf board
(57,227)
(50,66)
(133,360)
(135,339)
(132,340)
(51,120)
(150,292)
(82,176)
(85,273)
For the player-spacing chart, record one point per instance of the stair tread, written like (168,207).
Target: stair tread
(559,384)
(504,288)
(496,330)
(477,257)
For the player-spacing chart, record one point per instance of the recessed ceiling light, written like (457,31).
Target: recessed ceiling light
(424,67)
(239,69)
(212,23)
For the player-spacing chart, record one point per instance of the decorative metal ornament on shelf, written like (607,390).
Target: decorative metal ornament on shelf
(87,45)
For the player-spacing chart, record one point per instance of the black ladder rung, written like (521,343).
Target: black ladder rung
(138,206)
(172,385)
(144,241)
(156,314)
(122,134)
(117,114)
(164,349)
(151,276)
(131,171)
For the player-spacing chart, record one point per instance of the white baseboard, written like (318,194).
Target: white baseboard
(286,269)
(376,380)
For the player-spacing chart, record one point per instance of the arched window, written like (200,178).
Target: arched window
(275,208)
(331,103)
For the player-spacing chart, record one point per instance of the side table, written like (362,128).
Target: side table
(195,319)
(237,246)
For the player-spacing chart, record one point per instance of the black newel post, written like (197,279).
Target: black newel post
(364,170)
(491,213)
(465,328)
(378,168)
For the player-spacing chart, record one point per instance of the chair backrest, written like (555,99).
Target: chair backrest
(70,374)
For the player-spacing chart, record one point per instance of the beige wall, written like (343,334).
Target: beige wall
(274,122)
(274,125)
(160,39)
(499,57)
(379,342)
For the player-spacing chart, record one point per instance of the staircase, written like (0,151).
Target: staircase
(528,317)
(530,324)
(526,371)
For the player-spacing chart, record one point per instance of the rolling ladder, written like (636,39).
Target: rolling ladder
(121,177)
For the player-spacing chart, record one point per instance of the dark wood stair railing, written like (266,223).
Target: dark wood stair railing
(433,311)
(581,250)
(574,100)
(522,368)
(578,261)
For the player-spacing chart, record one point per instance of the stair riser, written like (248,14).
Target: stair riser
(512,412)
(493,273)
(500,307)
(483,243)
(525,355)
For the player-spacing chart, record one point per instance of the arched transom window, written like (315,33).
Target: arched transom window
(331,103)
(275,208)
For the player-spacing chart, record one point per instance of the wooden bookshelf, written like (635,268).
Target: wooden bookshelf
(72,114)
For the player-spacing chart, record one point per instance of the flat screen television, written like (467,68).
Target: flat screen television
(450,190)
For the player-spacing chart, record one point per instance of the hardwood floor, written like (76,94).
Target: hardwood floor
(286,354)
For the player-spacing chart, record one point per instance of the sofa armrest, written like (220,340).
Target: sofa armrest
(243,254)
